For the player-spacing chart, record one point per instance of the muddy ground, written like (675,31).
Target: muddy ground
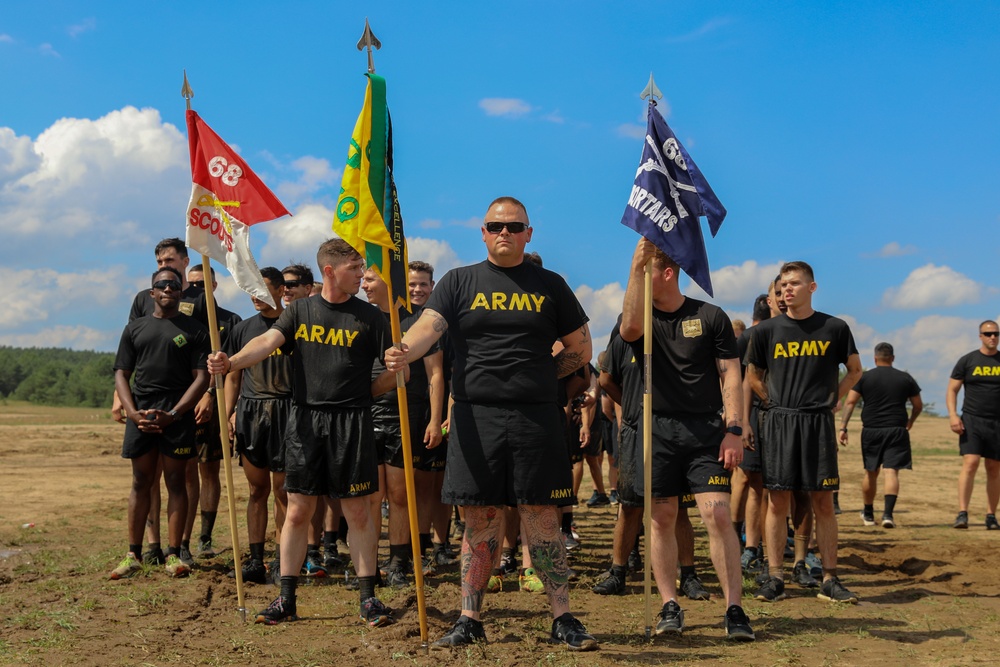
(930,594)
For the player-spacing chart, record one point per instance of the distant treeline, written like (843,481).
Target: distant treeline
(56,376)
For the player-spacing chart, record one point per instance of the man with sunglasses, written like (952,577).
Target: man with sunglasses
(978,428)
(166,352)
(504,315)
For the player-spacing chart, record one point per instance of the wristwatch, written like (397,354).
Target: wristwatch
(173,414)
(735,430)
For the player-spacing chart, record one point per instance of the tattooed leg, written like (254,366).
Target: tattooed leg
(541,524)
(724,545)
(480,554)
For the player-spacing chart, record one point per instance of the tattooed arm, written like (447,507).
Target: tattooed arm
(578,347)
(425,332)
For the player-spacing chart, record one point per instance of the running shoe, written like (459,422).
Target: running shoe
(572,532)
(253,570)
(274,571)
(887,521)
(802,577)
(130,565)
(834,591)
(815,564)
(634,563)
(751,562)
(991,522)
(495,584)
(458,530)
(772,590)
(610,585)
(568,630)
(154,557)
(961,521)
(671,619)
(374,613)
(508,564)
(738,625)
(279,610)
(836,502)
(385,509)
(465,632)
(598,499)
(396,578)
(176,567)
(868,518)
(530,582)
(442,557)
(571,542)
(613,497)
(343,549)
(313,566)
(693,588)
(205,549)
(185,556)
(332,561)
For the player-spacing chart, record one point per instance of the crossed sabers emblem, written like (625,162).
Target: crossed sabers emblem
(210,200)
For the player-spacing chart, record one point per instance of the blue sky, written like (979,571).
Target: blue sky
(860,137)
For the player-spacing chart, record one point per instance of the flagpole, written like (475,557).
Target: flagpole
(368,41)
(652,92)
(220,408)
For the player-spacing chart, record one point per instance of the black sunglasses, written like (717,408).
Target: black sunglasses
(164,284)
(297,283)
(197,283)
(512,227)
(989,334)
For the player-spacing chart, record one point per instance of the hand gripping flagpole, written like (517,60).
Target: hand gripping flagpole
(653,93)
(220,408)
(367,41)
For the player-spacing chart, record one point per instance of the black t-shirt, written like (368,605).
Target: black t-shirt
(162,352)
(272,377)
(192,304)
(742,345)
(686,345)
(802,359)
(226,320)
(980,375)
(625,368)
(334,345)
(885,391)
(417,389)
(503,322)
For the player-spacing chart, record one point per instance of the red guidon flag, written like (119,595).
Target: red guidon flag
(226,198)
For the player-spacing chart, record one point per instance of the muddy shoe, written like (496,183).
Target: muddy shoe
(738,625)
(772,590)
(610,585)
(278,611)
(205,549)
(693,588)
(834,591)
(568,630)
(176,567)
(374,613)
(129,566)
(671,619)
(465,632)
(991,522)
(801,576)
(154,557)
(961,521)
(253,571)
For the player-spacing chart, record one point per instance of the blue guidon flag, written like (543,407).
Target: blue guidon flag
(668,196)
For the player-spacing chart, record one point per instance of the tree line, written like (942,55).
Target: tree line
(57,376)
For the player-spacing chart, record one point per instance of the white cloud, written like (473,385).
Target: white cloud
(74,337)
(706,28)
(933,286)
(602,305)
(631,131)
(438,254)
(17,155)
(504,106)
(894,249)
(554,117)
(35,295)
(316,175)
(6,39)
(430,223)
(86,25)
(46,49)
(297,239)
(738,284)
(475,222)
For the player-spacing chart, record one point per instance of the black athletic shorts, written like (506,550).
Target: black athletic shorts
(886,447)
(629,466)
(609,438)
(260,431)
(206,439)
(571,431)
(389,440)
(596,445)
(330,452)
(799,451)
(751,457)
(513,454)
(981,437)
(685,456)
(177,439)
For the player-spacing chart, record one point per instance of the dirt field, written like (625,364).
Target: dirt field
(930,594)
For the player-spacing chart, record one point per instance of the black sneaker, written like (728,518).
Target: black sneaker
(274,571)
(991,522)
(185,556)
(571,542)
(773,590)
(374,613)
(634,563)
(834,591)
(332,561)
(313,566)
(458,530)
(396,578)
(568,630)
(868,518)
(671,619)
(610,585)
(693,588)
(508,564)
(888,522)
(279,610)
(466,631)
(961,521)
(801,576)
(598,500)
(154,557)
(442,558)
(205,549)
(738,625)
(253,570)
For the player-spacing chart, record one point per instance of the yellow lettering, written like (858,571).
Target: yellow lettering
(302,332)
(351,335)
(823,346)
(793,348)
(335,337)
(831,481)
(499,299)
(520,302)
(539,300)
(779,351)
(560,493)
(317,334)
(810,348)
(480,302)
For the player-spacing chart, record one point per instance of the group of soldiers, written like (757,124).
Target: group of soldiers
(496,362)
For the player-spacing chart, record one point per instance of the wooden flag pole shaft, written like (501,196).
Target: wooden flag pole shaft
(411,491)
(647,440)
(220,409)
